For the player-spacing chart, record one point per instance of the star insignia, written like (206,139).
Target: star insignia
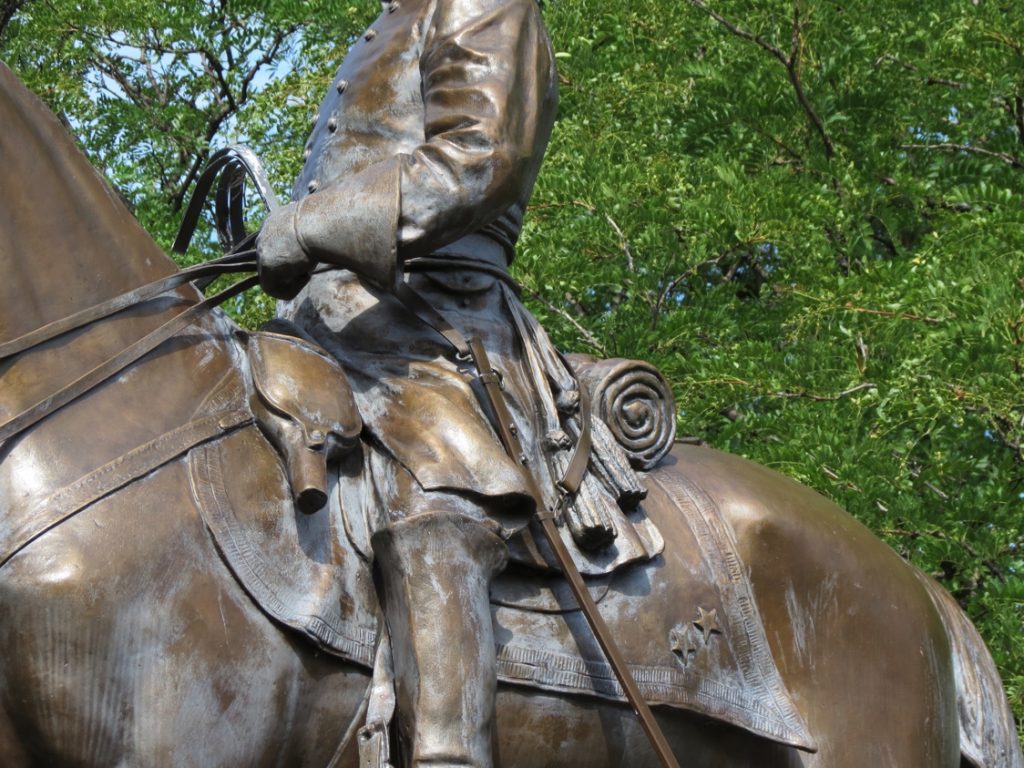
(707,622)
(683,642)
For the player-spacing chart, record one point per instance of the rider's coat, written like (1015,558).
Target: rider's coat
(428,142)
(422,159)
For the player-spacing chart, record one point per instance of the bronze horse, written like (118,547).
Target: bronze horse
(129,640)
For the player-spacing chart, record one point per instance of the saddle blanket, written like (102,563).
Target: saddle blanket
(686,620)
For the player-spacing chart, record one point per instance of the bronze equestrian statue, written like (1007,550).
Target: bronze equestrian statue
(307,546)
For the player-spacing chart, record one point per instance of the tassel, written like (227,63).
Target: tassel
(586,514)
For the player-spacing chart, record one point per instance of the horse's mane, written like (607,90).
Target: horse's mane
(67,242)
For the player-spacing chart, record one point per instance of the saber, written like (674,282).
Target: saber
(509,436)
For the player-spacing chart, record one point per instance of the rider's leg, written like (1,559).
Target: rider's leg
(435,570)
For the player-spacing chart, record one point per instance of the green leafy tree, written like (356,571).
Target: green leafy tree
(808,214)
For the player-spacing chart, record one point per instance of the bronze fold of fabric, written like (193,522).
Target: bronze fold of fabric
(609,482)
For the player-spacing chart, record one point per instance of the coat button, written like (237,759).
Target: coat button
(332,124)
(314,185)
(370,34)
(341,86)
(394,6)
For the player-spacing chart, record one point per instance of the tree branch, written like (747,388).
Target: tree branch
(231,105)
(946,146)
(897,315)
(7,10)
(990,565)
(791,62)
(827,398)
(930,80)
(623,242)
(793,68)
(740,32)
(588,338)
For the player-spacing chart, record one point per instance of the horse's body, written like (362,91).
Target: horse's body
(128,640)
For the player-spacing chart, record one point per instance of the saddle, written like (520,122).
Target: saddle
(700,647)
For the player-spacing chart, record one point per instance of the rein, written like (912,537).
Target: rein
(230,168)
(114,365)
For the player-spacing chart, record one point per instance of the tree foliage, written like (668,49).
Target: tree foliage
(807,213)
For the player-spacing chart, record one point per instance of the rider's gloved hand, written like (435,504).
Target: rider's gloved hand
(284,264)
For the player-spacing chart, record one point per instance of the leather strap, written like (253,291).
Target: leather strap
(574,473)
(117,363)
(426,312)
(67,502)
(232,166)
(510,440)
(242,261)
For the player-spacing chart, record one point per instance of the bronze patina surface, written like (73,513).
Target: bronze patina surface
(140,629)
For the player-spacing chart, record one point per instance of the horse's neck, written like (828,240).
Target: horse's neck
(66,240)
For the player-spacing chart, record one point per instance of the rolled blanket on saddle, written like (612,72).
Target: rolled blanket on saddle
(631,421)
(635,401)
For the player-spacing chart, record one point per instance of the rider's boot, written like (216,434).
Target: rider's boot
(435,572)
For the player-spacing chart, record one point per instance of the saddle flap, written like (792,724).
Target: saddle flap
(300,381)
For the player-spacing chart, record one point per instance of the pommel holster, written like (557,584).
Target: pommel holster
(303,403)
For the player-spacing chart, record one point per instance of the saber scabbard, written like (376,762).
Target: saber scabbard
(509,435)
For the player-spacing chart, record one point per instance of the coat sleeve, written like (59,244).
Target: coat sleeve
(487,86)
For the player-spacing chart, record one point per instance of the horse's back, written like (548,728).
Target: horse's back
(855,634)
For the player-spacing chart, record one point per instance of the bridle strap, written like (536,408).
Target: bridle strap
(241,261)
(118,362)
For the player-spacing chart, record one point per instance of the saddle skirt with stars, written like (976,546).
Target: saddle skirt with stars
(686,620)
